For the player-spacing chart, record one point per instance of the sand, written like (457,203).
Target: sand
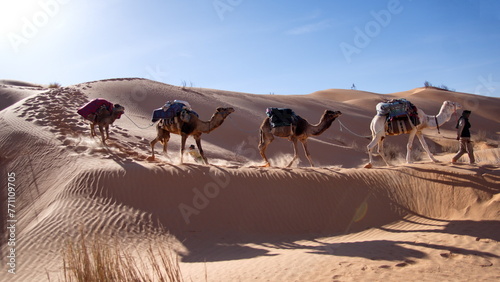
(233,220)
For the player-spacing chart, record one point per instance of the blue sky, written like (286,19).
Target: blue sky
(254,46)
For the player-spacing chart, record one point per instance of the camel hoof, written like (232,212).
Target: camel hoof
(369,165)
(150,158)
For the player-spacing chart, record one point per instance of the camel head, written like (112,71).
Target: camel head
(450,107)
(118,110)
(331,115)
(224,111)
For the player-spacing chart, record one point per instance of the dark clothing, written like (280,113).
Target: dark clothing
(463,134)
(464,122)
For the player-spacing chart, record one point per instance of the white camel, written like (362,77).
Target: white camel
(379,130)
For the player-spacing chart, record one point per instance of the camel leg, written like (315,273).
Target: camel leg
(369,147)
(295,152)
(92,130)
(380,150)
(165,136)
(107,131)
(198,144)
(102,134)
(308,155)
(183,145)
(153,143)
(162,136)
(265,139)
(409,146)
(424,145)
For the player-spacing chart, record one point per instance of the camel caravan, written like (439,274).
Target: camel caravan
(394,117)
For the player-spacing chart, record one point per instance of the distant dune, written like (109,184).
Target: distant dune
(233,220)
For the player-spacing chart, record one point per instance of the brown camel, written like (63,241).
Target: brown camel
(103,118)
(194,127)
(297,132)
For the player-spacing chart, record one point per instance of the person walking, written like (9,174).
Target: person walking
(463,135)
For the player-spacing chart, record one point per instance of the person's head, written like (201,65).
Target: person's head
(466,113)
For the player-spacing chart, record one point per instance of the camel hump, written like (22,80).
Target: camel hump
(279,117)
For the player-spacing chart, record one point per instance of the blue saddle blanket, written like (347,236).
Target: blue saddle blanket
(168,113)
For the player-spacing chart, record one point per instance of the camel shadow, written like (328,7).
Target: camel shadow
(227,248)
(390,250)
(451,178)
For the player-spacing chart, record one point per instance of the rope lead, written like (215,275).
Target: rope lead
(353,133)
(136,123)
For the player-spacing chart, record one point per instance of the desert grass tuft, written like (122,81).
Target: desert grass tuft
(55,85)
(96,260)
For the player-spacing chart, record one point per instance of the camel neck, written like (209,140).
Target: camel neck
(319,128)
(215,121)
(442,117)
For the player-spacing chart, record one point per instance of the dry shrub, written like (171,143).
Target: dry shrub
(55,85)
(95,260)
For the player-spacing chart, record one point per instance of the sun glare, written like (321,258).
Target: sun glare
(14,12)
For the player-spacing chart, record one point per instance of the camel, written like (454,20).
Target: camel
(298,132)
(194,127)
(379,130)
(103,118)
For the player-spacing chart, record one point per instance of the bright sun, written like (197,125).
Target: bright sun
(14,12)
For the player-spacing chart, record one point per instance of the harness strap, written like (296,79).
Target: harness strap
(437,124)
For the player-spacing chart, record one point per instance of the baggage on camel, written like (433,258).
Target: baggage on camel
(171,110)
(281,117)
(89,110)
(401,115)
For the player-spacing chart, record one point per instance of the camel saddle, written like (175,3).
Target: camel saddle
(279,117)
(171,111)
(401,115)
(94,106)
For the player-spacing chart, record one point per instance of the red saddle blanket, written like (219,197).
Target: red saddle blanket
(92,107)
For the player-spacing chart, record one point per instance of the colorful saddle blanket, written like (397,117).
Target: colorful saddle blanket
(400,113)
(399,125)
(281,117)
(93,106)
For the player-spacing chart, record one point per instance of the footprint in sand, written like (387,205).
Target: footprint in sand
(81,149)
(41,122)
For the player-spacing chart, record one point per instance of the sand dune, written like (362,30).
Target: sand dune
(235,221)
